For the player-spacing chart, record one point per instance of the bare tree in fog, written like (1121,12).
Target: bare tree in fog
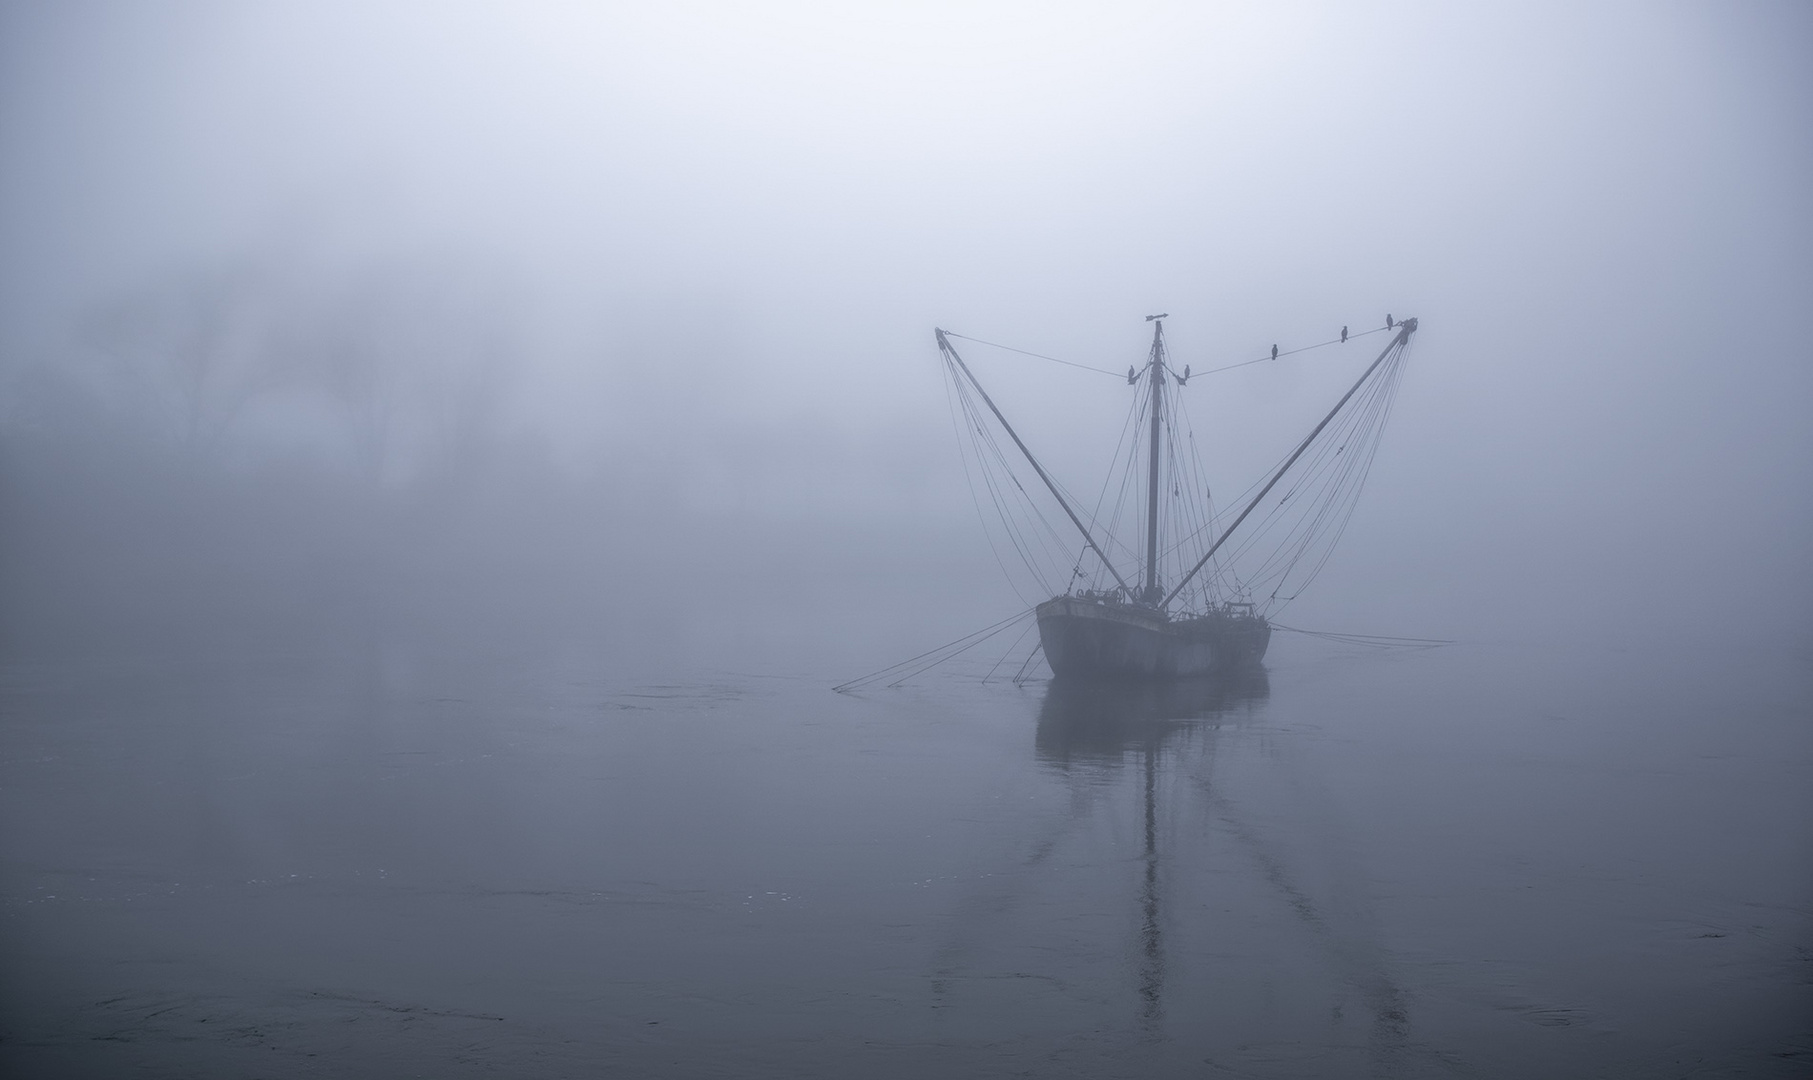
(461,339)
(410,359)
(338,350)
(402,365)
(190,351)
(262,436)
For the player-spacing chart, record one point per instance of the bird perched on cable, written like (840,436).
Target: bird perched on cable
(1132,376)
(1343,335)
(1388,323)
(1274,352)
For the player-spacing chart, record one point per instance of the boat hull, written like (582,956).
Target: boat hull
(1085,638)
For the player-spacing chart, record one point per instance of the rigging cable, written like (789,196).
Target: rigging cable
(940,654)
(1327,487)
(1315,511)
(1095,514)
(1037,356)
(1037,552)
(1010,651)
(1289,352)
(1377,641)
(958,426)
(1360,468)
(984,436)
(1020,676)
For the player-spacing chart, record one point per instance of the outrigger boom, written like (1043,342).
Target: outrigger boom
(1405,329)
(944,343)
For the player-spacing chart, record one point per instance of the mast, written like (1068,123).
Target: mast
(1157,374)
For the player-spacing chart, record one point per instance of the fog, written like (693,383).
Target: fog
(663,279)
(527,325)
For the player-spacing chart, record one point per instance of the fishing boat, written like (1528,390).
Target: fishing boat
(1137,624)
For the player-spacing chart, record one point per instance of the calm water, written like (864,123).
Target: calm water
(1477,861)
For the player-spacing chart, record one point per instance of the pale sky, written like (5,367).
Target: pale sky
(1599,212)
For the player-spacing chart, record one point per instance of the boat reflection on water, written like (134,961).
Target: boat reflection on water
(1099,722)
(1093,720)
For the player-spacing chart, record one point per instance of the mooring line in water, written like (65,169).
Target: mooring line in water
(1377,641)
(1008,653)
(954,653)
(957,647)
(1020,676)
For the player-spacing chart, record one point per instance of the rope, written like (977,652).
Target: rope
(1020,676)
(1038,356)
(959,646)
(1378,641)
(1290,352)
(955,395)
(1210,371)
(1315,511)
(1009,652)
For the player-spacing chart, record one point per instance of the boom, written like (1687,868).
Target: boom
(1406,328)
(945,345)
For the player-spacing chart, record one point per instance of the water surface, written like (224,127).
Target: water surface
(399,859)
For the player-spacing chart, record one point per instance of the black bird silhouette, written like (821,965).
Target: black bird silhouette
(1388,323)
(1274,352)
(1343,335)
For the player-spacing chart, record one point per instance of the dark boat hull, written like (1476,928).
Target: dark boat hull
(1085,638)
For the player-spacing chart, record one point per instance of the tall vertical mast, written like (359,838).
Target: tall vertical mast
(1157,373)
